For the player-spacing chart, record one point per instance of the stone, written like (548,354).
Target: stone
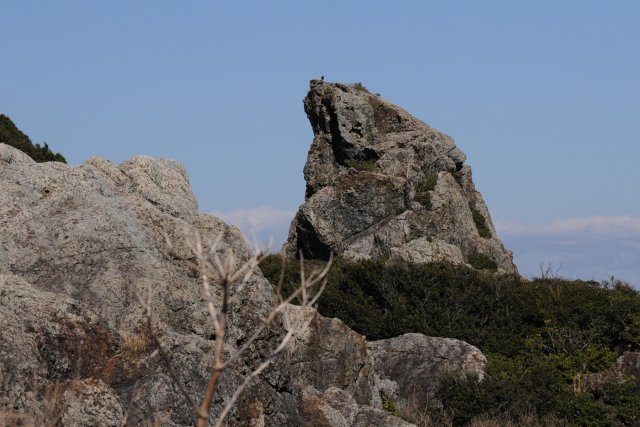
(381,183)
(329,354)
(89,403)
(336,408)
(408,368)
(78,246)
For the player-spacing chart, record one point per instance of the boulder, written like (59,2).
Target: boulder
(329,354)
(381,183)
(336,408)
(78,247)
(408,368)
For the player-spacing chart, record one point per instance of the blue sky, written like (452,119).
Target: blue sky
(544,98)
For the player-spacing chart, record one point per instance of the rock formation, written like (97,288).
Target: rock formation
(408,366)
(77,247)
(381,183)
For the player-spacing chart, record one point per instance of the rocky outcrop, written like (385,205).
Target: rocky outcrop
(337,408)
(381,183)
(329,354)
(79,245)
(408,368)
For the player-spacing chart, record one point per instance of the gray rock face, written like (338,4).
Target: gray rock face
(77,247)
(382,183)
(329,354)
(408,367)
(336,408)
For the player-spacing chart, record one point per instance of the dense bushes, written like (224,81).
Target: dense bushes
(538,335)
(11,135)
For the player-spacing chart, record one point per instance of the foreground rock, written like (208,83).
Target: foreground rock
(381,183)
(79,245)
(336,408)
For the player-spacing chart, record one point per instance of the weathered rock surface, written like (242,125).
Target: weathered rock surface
(336,408)
(329,354)
(78,245)
(408,367)
(381,183)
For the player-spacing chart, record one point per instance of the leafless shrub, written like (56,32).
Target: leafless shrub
(219,273)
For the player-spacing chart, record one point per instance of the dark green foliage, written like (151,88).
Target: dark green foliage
(427,184)
(481,261)
(539,335)
(481,222)
(11,135)
(423,188)
(424,199)
(388,404)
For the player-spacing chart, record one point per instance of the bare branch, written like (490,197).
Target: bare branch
(231,279)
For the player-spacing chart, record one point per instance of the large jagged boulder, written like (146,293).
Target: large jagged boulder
(381,183)
(79,245)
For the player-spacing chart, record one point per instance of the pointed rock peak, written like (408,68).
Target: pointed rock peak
(381,183)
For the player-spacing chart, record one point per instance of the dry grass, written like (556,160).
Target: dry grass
(134,345)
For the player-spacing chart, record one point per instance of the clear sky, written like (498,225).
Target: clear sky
(544,97)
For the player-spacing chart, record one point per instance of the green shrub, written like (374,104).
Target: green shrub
(360,87)
(368,165)
(388,404)
(11,135)
(427,184)
(480,221)
(538,335)
(423,188)
(481,261)
(424,199)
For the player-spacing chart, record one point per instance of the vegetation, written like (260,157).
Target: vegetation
(11,135)
(428,184)
(362,165)
(424,199)
(360,87)
(481,261)
(481,222)
(540,336)
(423,188)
